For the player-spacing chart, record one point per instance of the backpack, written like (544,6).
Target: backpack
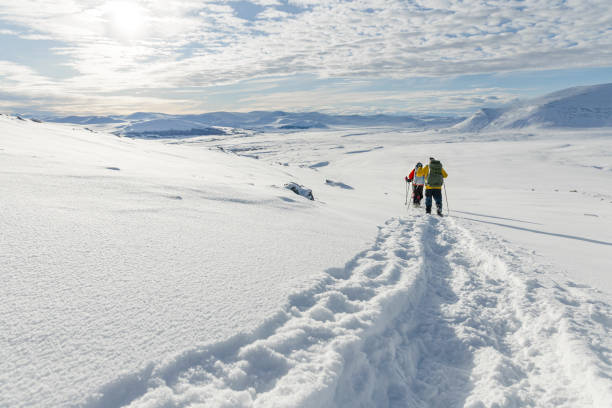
(434,178)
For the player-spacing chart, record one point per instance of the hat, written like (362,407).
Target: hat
(419,164)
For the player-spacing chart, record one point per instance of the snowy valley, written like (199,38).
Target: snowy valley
(182,272)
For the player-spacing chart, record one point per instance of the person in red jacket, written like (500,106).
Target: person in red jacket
(417,177)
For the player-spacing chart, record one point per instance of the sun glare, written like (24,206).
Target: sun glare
(127,19)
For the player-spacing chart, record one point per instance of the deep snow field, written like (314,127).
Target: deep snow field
(175,273)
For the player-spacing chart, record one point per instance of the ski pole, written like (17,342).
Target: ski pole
(406,203)
(446,198)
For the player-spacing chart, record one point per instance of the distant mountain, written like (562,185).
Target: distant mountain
(578,107)
(144,124)
(145,116)
(85,120)
(278,120)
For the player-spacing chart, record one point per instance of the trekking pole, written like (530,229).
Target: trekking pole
(407,204)
(446,198)
(408,189)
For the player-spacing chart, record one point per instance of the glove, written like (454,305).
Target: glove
(407,179)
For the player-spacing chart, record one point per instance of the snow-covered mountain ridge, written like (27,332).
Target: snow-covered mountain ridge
(146,124)
(578,107)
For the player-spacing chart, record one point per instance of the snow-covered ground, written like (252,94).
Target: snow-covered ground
(173,273)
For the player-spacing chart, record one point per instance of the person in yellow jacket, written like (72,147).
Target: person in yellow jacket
(434,179)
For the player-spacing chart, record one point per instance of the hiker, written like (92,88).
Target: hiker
(417,177)
(434,178)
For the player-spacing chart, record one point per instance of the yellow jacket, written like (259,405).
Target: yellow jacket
(418,176)
(426,173)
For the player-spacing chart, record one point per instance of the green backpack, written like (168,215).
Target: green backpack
(434,178)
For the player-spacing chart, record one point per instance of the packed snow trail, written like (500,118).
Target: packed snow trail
(427,317)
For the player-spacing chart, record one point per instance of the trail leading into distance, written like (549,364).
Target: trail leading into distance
(429,316)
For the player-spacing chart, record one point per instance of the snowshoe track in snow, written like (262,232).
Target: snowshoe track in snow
(426,317)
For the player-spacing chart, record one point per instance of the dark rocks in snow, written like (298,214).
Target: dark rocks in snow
(319,164)
(338,184)
(300,190)
(365,150)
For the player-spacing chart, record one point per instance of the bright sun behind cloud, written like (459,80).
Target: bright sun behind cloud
(127,19)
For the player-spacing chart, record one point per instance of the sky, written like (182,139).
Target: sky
(335,56)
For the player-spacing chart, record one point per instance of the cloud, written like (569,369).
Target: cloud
(352,98)
(26,90)
(204,43)
(21,79)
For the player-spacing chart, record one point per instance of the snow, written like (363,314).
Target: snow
(181,272)
(578,107)
(142,122)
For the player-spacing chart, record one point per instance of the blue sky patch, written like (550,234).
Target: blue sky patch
(246,10)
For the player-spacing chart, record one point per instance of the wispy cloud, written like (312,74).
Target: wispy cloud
(349,101)
(128,46)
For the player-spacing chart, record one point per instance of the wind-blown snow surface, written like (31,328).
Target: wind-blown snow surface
(176,273)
